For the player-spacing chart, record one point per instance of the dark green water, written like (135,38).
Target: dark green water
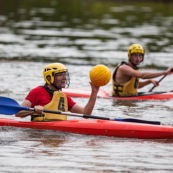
(85,32)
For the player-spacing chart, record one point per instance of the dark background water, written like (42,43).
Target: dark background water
(85,31)
(80,34)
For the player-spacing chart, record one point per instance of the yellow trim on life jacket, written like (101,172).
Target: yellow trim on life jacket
(58,103)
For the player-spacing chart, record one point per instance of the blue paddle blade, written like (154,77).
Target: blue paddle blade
(10,109)
(9,106)
(7,101)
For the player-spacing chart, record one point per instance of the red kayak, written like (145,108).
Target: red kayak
(98,128)
(103,94)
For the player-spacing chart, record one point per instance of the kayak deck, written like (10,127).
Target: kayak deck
(103,94)
(98,128)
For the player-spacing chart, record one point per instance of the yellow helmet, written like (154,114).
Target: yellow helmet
(51,70)
(135,48)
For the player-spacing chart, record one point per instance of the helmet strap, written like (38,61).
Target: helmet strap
(59,89)
(56,87)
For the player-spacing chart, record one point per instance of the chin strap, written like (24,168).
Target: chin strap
(57,87)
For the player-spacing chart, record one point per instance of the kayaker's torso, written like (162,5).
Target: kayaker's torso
(128,88)
(51,101)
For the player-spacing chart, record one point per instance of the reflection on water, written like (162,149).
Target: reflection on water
(124,103)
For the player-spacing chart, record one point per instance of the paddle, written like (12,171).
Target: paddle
(9,106)
(159,81)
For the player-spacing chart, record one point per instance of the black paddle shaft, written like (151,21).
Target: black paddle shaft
(159,81)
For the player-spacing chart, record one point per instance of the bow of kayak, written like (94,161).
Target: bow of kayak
(148,96)
(98,128)
(84,93)
(103,94)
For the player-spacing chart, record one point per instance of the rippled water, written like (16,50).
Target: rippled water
(51,152)
(47,151)
(82,34)
(89,32)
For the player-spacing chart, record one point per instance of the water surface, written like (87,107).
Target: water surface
(81,34)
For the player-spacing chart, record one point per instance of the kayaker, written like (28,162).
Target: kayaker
(51,97)
(126,75)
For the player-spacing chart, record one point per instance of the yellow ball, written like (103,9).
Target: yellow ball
(100,75)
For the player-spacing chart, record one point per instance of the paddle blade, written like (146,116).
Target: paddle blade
(7,101)
(9,109)
(9,106)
